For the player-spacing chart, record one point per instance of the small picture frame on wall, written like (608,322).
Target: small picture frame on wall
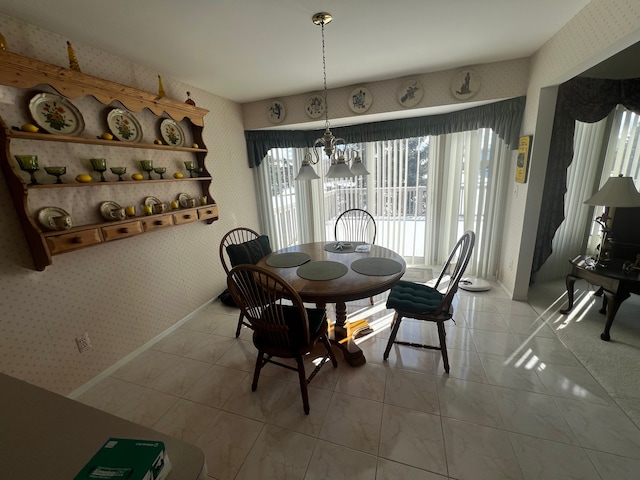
(522,163)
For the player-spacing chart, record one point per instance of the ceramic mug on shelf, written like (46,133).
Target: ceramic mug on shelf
(61,222)
(192,202)
(159,208)
(118,213)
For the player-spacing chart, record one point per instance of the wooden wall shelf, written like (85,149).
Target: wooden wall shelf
(22,72)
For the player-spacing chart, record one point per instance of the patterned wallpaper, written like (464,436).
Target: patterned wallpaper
(123,293)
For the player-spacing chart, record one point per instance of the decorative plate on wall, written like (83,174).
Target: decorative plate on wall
(276,111)
(56,115)
(314,108)
(465,84)
(171,132)
(360,100)
(124,126)
(410,93)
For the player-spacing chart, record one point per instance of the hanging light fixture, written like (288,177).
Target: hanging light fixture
(328,142)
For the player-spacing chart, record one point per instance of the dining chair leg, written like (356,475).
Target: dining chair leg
(256,372)
(395,324)
(443,345)
(327,344)
(239,327)
(302,377)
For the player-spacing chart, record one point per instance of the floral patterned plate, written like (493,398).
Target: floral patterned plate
(56,115)
(124,126)
(172,133)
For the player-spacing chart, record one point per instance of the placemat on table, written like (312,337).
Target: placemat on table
(288,259)
(342,247)
(376,266)
(322,270)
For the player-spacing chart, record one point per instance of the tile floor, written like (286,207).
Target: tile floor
(516,405)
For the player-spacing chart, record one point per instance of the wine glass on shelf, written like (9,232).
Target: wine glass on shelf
(160,171)
(119,171)
(189,166)
(56,172)
(147,166)
(99,165)
(29,163)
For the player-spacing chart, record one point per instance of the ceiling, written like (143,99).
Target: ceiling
(248,50)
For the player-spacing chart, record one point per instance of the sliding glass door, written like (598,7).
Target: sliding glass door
(423,192)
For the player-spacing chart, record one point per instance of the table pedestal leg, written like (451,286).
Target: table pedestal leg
(351,352)
(613,304)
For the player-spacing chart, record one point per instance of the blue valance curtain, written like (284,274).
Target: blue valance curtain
(504,118)
(588,100)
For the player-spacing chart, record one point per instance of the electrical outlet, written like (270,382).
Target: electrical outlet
(83,342)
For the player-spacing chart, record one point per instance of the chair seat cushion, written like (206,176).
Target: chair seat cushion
(249,252)
(317,320)
(413,297)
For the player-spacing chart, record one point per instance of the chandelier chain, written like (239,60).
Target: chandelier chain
(324,77)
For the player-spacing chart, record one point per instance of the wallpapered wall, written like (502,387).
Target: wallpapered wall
(122,293)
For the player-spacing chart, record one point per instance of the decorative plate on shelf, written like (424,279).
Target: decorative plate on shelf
(465,84)
(410,93)
(124,126)
(276,111)
(151,201)
(171,132)
(47,213)
(314,108)
(56,115)
(107,207)
(183,199)
(360,100)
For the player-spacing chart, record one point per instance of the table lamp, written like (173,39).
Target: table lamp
(617,192)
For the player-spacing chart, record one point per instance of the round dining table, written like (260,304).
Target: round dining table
(311,262)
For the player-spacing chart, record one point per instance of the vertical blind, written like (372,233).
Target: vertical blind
(423,193)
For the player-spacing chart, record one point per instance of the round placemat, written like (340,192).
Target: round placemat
(322,270)
(288,259)
(342,247)
(376,266)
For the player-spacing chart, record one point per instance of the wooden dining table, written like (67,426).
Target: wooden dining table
(348,287)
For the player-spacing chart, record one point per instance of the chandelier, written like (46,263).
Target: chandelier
(328,142)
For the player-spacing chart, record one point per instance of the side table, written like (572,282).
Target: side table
(616,285)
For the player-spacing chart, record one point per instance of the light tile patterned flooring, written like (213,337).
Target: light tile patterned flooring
(516,405)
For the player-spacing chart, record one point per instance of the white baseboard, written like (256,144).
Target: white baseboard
(105,373)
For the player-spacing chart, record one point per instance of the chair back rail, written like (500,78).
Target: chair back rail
(459,259)
(262,298)
(355,225)
(234,237)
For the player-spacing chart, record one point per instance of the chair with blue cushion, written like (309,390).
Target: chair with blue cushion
(431,304)
(282,326)
(242,245)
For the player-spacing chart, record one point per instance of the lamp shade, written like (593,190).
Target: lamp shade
(358,167)
(307,173)
(339,170)
(616,192)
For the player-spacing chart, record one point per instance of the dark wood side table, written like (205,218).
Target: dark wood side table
(616,285)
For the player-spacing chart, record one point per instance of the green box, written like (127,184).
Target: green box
(126,459)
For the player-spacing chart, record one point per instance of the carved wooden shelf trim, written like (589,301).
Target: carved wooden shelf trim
(23,72)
